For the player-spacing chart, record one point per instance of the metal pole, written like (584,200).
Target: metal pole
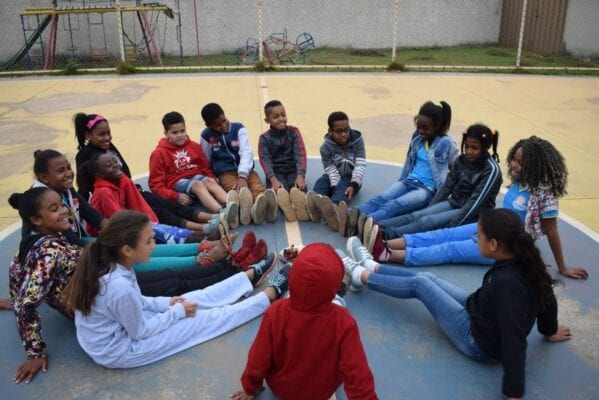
(119,21)
(195,16)
(395,21)
(260,33)
(521,38)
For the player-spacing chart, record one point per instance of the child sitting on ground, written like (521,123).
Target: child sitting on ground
(118,327)
(283,158)
(225,145)
(179,170)
(94,136)
(307,346)
(344,161)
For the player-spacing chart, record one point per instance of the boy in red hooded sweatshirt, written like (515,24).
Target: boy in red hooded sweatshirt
(179,169)
(307,346)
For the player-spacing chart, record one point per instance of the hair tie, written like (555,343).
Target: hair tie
(493,132)
(92,122)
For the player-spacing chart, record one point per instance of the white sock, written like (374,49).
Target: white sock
(370,264)
(357,273)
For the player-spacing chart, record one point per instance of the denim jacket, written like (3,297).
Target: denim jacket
(441,156)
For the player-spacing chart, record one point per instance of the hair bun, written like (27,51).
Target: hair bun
(15,200)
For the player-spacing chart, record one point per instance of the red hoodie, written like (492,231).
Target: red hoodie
(109,198)
(306,346)
(170,163)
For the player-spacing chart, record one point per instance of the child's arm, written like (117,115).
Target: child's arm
(246,156)
(259,359)
(488,187)
(444,191)
(550,228)
(266,162)
(127,306)
(360,164)
(408,166)
(301,160)
(206,146)
(329,165)
(88,213)
(158,178)
(358,381)
(104,201)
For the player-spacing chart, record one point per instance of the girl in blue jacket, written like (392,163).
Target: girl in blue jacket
(430,155)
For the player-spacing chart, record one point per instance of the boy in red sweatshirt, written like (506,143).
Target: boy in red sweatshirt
(179,169)
(307,346)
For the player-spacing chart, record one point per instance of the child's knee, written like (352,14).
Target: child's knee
(197,186)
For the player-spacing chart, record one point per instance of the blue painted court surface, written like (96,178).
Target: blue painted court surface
(410,356)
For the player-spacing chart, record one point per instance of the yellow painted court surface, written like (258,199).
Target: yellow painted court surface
(36,113)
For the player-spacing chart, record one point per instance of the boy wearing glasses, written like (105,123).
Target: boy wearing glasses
(283,158)
(344,161)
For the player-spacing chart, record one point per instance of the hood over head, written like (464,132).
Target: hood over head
(315,277)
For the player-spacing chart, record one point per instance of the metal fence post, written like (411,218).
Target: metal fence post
(119,21)
(395,22)
(521,38)
(260,5)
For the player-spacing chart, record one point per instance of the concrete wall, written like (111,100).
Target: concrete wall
(581,33)
(226,25)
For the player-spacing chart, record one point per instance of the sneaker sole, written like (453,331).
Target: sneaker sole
(328,212)
(298,200)
(361,221)
(245,206)
(268,270)
(259,210)
(272,205)
(231,213)
(343,217)
(353,222)
(312,206)
(233,197)
(285,205)
(367,230)
(350,249)
(372,239)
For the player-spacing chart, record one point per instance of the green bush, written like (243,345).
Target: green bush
(124,68)
(72,68)
(261,66)
(395,66)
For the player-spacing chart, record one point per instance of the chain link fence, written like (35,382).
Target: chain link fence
(417,34)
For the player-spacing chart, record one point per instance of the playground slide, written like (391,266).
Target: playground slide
(30,42)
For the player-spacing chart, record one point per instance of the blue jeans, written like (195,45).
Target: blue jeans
(432,217)
(445,301)
(337,194)
(286,179)
(184,185)
(402,197)
(444,246)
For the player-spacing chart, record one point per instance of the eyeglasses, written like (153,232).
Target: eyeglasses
(475,237)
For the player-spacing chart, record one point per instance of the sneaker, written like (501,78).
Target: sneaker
(262,268)
(328,212)
(280,281)
(233,197)
(374,234)
(258,211)
(298,200)
(272,205)
(258,253)
(343,218)
(217,253)
(350,264)
(312,206)
(352,228)
(361,220)
(227,238)
(380,251)
(230,214)
(285,205)
(245,206)
(211,225)
(357,251)
(344,285)
(247,245)
(367,230)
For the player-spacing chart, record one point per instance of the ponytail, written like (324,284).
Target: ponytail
(100,257)
(85,123)
(507,228)
(86,174)
(440,115)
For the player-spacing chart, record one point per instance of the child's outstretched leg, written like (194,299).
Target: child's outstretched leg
(200,190)
(215,190)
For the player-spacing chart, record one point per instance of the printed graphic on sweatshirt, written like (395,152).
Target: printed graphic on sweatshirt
(183,161)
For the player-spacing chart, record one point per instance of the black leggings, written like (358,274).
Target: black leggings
(169,212)
(175,282)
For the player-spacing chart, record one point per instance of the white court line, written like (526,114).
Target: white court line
(291,228)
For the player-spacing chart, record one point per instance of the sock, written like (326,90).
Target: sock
(384,255)
(370,264)
(356,274)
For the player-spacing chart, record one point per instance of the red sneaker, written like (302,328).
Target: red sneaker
(258,253)
(247,245)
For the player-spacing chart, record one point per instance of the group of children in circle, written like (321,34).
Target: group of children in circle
(441,210)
